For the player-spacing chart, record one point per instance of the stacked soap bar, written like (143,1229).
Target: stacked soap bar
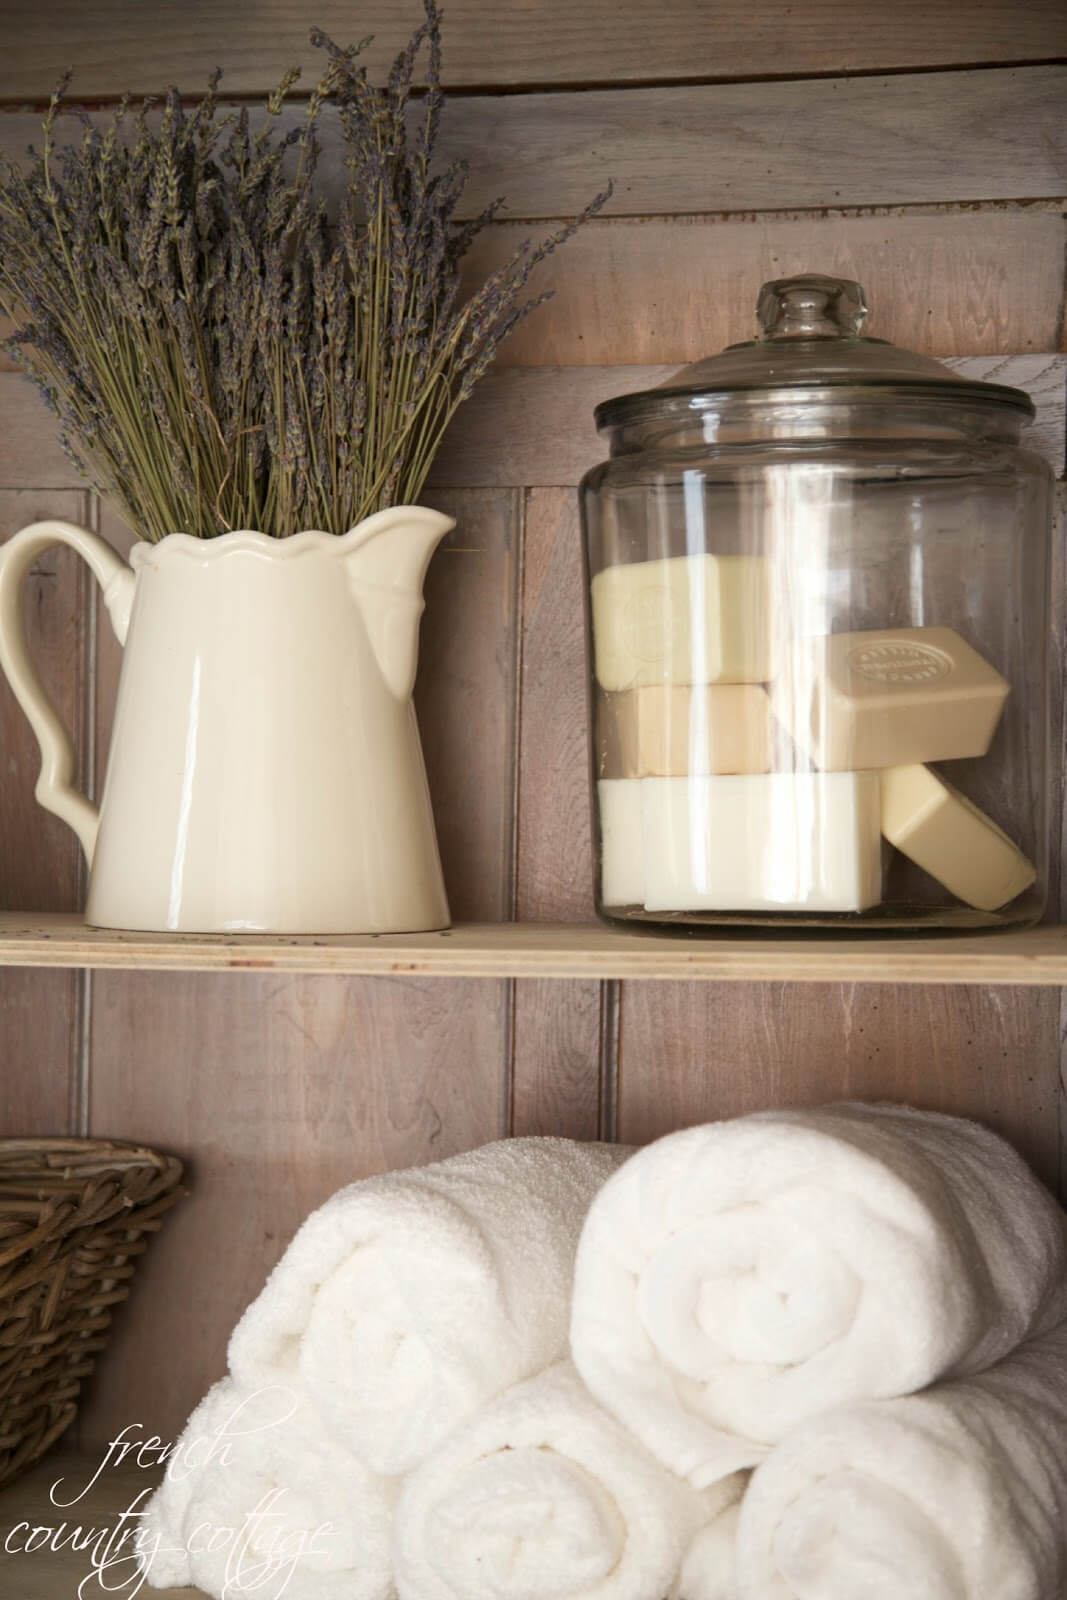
(684,620)
(670,730)
(692,815)
(754,843)
(701,730)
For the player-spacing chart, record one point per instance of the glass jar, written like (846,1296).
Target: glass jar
(817,586)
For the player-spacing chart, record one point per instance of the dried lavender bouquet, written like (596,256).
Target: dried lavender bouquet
(219,351)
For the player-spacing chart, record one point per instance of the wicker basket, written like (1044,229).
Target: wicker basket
(74,1216)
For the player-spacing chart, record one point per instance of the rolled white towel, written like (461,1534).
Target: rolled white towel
(709,1571)
(543,1496)
(956,1494)
(409,1299)
(256,1500)
(734,1279)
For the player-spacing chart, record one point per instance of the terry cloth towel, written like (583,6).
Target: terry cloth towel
(734,1279)
(409,1299)
(543,1496)
(956,1494)
(709,1571)
(256,1500)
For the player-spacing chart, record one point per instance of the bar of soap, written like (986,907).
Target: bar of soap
(670,731)
(950,838)
(757,842)
(891,698)
(622,867)
(687,619)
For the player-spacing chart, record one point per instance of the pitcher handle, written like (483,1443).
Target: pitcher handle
(55,788)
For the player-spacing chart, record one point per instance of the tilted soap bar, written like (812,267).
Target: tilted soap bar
(890,698)
(686,619)
(950,838)
(669,731)
(760,842)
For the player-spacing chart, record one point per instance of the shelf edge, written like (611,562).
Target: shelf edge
(532,950)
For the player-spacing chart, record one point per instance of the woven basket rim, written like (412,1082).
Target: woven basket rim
(68,1142)
(41,1161)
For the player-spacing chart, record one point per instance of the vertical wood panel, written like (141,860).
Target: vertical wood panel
(108,649)
(557,1034)
(1058,761)
(39,1041)
(40,858)
(278,1091)
(281,1090)
(696,1052)
(465,696)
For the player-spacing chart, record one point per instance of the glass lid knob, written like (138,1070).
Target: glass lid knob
(811,307)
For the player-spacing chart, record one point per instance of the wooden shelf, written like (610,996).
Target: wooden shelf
(55,1574)
(541,950)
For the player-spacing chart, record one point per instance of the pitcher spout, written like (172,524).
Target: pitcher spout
(386,560)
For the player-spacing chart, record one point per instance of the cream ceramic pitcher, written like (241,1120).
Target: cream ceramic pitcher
(265,771)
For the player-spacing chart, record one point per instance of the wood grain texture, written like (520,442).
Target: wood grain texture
(1057,896)
(1031,958)
(46,1574)
(554,882)
(38,1052)
(1062,1102)
(108,649)
(556,1057)
(963,282)
(278,1090)
(696,1052)
(465,696)
(903,140)
(40,859)
(119,45)
(949,281)
(909,139)
(1058,746)
(534,425)
(30,450)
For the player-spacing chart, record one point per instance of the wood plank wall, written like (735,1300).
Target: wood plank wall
(745,141)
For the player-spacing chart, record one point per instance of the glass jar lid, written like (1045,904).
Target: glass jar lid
(810,340)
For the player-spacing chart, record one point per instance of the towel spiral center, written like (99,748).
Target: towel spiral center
(748,1287)
(849,1534)
(526,1524)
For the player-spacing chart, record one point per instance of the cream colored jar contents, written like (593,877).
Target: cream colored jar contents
(695,818)
(816,610)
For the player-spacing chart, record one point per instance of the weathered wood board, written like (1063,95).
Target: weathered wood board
(909,139)
(40,859)
(513,43)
